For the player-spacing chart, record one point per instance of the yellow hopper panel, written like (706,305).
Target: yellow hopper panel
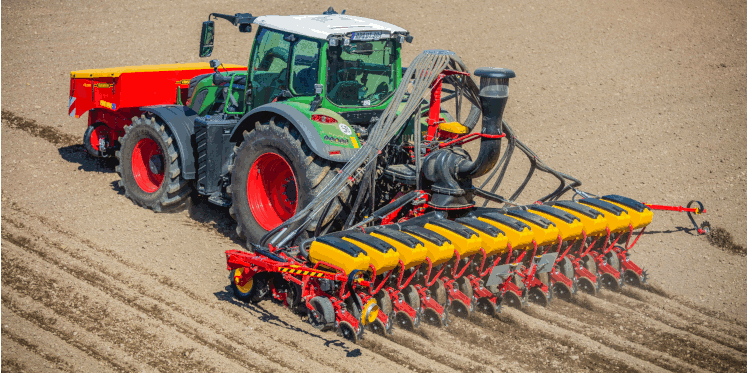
(340,253)
(494,240)
(439,248)
(640,214)
(595,224)
(545,231)
(519,235)
(617,219)
(569,226)
(465,240)
(383,256)
(411,250)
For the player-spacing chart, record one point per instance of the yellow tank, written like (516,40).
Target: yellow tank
(545,231)
(465,240)
(569,226)
(383,257)
(595,224)
(411,250)
(640,214)
(617,218)
(494,240)
(439,248)
(519,234)
(340,253)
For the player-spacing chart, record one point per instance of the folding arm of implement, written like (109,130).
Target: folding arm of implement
(704,227)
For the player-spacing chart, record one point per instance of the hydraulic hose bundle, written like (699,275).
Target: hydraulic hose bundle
(415,83)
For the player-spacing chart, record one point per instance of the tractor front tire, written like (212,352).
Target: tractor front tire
(149,166)
(274,175)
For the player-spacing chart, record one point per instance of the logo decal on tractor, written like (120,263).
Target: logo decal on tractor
(345,129)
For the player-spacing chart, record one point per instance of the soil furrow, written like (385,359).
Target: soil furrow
(28,356)
(159,291)
(677,308)
(622,360)
(607,332)
(704,352)
(675,321)
(120,320)
(65,357)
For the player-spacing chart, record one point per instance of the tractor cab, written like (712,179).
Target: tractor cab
(348,65)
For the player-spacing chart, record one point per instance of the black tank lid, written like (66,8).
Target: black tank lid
(372,241)
(606,206)
(426,234)
(342,245)
(577,207)
(532,218)
(556,213)
(481,226)
(453,227)
(627,202)
(512,223)
(396,235)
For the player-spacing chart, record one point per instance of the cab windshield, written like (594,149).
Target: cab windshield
(361,74)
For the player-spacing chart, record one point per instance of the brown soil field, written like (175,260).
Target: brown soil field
(641,98)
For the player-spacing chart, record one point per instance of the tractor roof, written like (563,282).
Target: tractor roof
(322,26)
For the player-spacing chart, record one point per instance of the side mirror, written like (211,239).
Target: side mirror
(245,27)
(206,38)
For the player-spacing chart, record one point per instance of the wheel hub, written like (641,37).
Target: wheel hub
(155,163)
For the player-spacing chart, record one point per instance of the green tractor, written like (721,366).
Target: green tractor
(265,140)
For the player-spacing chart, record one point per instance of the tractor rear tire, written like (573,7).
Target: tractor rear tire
(274,174)
(149,166)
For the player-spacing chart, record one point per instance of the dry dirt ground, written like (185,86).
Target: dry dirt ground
(641,98)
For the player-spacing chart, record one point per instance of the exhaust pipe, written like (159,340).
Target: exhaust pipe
(493,97)
(450,170)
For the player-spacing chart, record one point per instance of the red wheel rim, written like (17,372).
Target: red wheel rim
(271,190)
(147,165)
(98,133)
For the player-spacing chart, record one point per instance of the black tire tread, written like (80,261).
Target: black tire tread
(317,169)
(178,189)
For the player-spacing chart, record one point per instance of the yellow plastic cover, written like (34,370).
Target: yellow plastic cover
(543,236)
(410,257)
(567,231)
(381,261)
(592,227)
(320,251)
(437,254)
(491,245)
(616,224)
(519,240)
(464,246)
(114,72)
(637,219)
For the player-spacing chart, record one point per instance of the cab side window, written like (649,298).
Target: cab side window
(270,66)
(305,67)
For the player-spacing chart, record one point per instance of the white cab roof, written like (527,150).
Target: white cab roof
(322,26)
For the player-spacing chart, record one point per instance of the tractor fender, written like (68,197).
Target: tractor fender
(180,121)
(302,124)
